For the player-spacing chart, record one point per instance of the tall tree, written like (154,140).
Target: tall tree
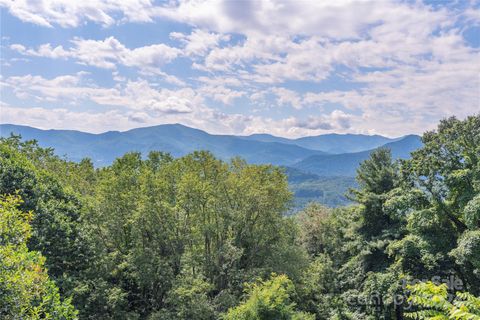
(441,199)
(376,280)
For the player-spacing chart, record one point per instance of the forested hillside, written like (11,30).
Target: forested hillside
(196,237)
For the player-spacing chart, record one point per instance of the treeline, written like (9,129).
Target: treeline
(199,238)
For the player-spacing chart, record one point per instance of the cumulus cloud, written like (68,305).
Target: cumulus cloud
(207,119)
(135,95)
(62,87)
(287,97)
(44,50)
(326,36)
(67,14)
(344,19)
(198,42)
(108,54)
(142,105)
(221,93)
(335,120)
(63,118)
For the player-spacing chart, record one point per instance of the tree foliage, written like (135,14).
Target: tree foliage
(26,291)
(156,237)
(435,303)
(269,300)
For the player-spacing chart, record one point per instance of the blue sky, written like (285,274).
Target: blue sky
(289,68)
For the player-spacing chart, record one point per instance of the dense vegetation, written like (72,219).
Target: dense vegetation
(199,238)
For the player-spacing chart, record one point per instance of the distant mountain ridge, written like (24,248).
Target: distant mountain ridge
(176,139)
(307,153)
(331,143)
(346,164)
(313,173)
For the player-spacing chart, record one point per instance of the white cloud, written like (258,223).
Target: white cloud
(387,34)
(198,42)
(221,93)
(337,120)
(409,99)
(349,99)
(254,48)
(142,105)
(62,118)
(69,14)
(231,81)
(141,96)
(109,53)
(345,19)
(207,119)
(63,87)
(135,95)
(287,97)
(472,15)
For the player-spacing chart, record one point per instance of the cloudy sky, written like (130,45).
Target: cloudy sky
(289,68)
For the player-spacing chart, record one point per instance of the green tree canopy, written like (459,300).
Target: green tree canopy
(269,300)
(434,303)
(26,292)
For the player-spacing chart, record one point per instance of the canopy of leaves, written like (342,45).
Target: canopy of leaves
(435,303)
(154,237)
(269,300)
(26,292)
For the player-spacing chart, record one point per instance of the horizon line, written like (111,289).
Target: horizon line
(214,134)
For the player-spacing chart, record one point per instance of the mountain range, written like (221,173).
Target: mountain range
(345,164)
(176,139)
(318,167)
(331,143)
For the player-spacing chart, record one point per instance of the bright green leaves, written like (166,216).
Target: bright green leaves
(447,167)
(434,303)
(25,288)
(15,226)
(269,300)
(189,299)
(158,220)
(164,238)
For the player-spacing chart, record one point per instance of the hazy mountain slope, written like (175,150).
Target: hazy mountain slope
(177,139)
(347,163)
(264,137)
(309,187)
(343,143)
(330,143)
